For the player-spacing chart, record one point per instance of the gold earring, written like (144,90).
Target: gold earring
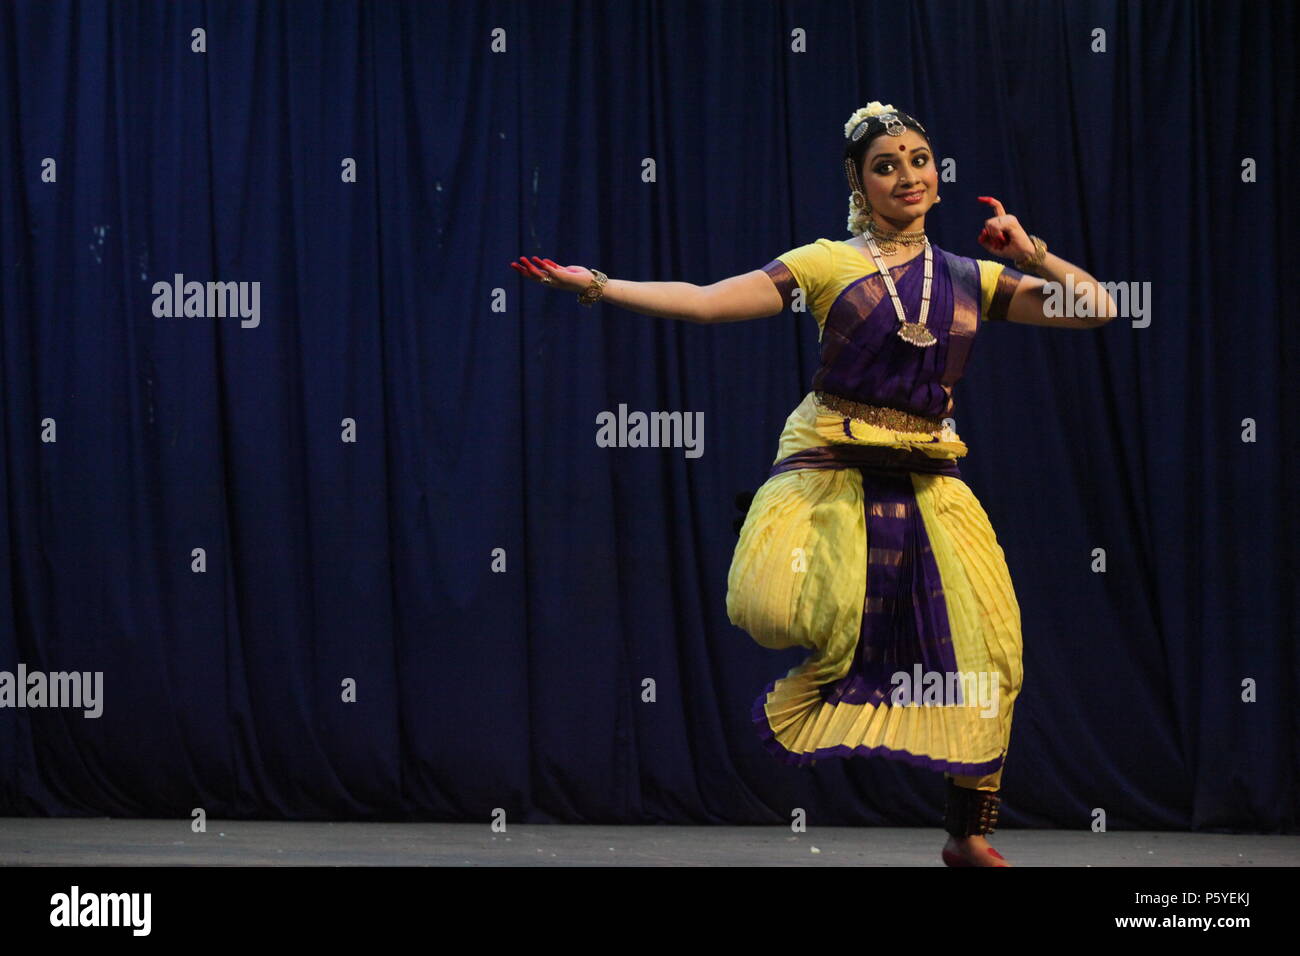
(858,194)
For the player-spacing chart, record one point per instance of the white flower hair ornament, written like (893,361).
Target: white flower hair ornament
(874,108)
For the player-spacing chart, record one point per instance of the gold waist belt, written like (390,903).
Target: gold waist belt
(891,418)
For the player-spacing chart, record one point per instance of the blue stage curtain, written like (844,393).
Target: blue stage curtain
(242,517)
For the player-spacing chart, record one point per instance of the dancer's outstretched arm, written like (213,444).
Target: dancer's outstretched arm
(751,295)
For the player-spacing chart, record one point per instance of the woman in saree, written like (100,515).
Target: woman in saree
(864,545)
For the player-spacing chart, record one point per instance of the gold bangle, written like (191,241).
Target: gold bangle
(1031,262)
(593,292)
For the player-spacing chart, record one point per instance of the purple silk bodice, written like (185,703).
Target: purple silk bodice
(863,358)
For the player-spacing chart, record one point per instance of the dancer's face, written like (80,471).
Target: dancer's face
(900,177)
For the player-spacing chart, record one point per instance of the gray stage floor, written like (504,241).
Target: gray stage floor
(111,842)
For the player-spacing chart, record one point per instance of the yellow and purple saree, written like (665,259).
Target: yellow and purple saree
(865,546)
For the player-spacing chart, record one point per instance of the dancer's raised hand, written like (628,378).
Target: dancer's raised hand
(568,278)
(1003,235)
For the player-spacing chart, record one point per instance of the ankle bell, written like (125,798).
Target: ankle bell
(971,812)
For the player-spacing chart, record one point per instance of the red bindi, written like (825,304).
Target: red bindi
(900,147)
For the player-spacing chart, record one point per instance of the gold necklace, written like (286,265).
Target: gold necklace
(889,241)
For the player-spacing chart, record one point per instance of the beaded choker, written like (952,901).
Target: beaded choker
(889,241)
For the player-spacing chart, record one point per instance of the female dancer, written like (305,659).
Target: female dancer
(864,545)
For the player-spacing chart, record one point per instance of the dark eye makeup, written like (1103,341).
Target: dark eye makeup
(881,168)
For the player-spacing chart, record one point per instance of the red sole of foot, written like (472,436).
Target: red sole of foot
(956,859)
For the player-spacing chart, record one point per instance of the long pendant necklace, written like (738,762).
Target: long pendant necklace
(914,333)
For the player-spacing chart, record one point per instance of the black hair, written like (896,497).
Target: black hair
(875,127)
